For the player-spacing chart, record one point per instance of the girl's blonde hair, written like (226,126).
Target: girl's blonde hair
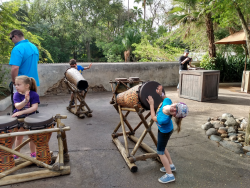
(178,123)
(28,80)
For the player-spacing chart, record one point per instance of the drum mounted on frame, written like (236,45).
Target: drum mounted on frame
(75,77)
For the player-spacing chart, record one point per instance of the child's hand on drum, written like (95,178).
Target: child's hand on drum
(159,90)
(150,100)
(19,113)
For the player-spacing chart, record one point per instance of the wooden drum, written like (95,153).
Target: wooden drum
(37,122)
(8,124)
(138,95)
(121,87)
(76,78)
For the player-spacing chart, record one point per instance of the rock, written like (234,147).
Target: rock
(231,130)
(243,124)
(236,141)
(246,148)
(215,138)
(211,131)
(230,122)
(221,131)
(248,153)
(239,135)
(241,118)
(226,115)
(232,137)
(227,139)
(209,119)
(217,124)
(215,118)
(223,128)
(230,134)
(223,135)
(242,132)
(241,139)
(240,129)
(207,126)
(223,120)
(238,121)
(232,146)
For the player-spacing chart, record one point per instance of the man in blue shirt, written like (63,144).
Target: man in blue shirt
(24,58)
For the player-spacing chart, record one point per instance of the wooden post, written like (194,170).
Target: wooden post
(139,142)
(143,157)
(124,131)
(146,117)
(247,131)
(125,119)
(132,166)
(33,176)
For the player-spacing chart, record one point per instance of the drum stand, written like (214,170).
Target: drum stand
(131,158)
(80,109)
(57,169)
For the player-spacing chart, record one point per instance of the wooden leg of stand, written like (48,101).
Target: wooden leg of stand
(132,166)
(23,144)
(143,146)
(124,132)
(143,157)
(10,171)
(146,117)
(119,124)
(139,142)
(33,176)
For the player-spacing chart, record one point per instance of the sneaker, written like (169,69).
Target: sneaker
(162,169)
(33,154)
(166,179)
(16,157)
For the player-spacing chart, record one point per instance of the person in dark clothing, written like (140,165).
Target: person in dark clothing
(184,61)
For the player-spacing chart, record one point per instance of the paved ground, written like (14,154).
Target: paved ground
(96,162)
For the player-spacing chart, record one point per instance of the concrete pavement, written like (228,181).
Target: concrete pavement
(96,162)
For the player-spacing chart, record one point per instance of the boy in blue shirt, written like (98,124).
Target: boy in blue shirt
(73,64)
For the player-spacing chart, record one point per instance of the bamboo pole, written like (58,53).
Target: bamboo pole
(22,144)
(39,163)
(144,146)
(119,124)
(142,157)
(247,131)
(124,131)
(33,176)
(115,135)
(146,117)
(10,171)
(125,119)
(24,133)
(21,160)
(128,109)
(132,166)
(60,143)
(139,142)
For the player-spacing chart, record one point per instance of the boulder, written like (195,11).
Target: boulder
(223,135)
(230,134)
(221,131)
(211,131)
(230,122)
(223,128)
(232,137)
(248,153)
(207,126)
(246,148)
(215,138)
(217,125)
(209,119)
(226,115)
(232,146)
(243,124)
(231,130)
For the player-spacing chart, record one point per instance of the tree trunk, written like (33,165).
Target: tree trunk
(244,26)
(88,51)
(210,35)
(144,9)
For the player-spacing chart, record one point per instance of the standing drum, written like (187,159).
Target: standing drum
(37,122)
(8,124)
(138,95)
(133,81)
(121,88)
(76,78)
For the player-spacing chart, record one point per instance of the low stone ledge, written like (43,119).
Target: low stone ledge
(5,103)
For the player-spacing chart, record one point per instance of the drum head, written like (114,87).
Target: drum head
(38,120)
(149,88)
(7,121)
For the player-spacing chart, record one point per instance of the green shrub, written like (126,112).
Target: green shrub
(231,67)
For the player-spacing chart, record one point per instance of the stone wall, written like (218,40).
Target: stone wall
(100,74)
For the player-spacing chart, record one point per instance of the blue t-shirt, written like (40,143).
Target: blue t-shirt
(164,122)
(34,98)
(80,68)
(26,56)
